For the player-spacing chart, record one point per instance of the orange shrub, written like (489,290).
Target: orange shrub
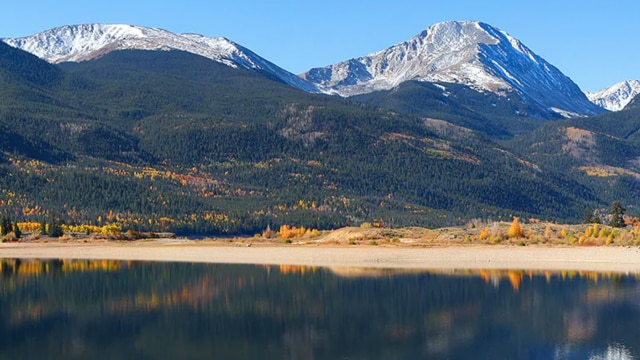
(484,234)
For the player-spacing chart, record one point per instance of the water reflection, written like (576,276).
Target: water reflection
(109,309)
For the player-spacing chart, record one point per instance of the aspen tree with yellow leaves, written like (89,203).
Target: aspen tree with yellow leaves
(515,230)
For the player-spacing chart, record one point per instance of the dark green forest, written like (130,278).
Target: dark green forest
(170,141)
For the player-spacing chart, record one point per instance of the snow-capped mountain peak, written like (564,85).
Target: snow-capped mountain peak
(616,97)
(465,52)
(76,43)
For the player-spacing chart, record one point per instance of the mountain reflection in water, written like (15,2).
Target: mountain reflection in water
(113,309)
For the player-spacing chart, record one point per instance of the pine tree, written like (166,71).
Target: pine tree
(617,215)
(55,229)
(590,217)
(6,226)
(43,228)
(16,231)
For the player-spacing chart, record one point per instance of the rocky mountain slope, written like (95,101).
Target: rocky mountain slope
(617,96)
(470,53)
(85,42)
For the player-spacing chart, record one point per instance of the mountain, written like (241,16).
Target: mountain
(170,140)
(493,115)
(601,152)
(85,42)
(633,104)
(470,53)
(616,97)
(21,67)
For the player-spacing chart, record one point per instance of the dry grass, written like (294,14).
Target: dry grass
(486,234)
(496,233)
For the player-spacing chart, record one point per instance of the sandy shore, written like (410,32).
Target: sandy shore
(618,259)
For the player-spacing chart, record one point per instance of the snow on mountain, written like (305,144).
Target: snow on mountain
(470,53)
(616,97)
(85,42)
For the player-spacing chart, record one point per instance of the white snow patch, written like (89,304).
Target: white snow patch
(85,42)
(564,113)
(465,52)
(617,96)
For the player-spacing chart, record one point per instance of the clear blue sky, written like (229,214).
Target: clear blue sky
(596,43)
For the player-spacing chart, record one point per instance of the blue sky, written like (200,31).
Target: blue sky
(596,43)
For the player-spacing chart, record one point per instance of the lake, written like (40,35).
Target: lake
(73,309)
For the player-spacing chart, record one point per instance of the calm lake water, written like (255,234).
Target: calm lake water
(125,310)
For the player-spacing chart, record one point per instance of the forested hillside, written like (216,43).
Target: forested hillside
(166,140)
(601,152)
(496,116)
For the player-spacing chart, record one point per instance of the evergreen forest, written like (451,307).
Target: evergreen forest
(170,141)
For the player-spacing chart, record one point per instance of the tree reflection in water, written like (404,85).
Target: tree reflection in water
(109,309)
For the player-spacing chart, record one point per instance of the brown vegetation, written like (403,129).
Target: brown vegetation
(514,233)
(476,233)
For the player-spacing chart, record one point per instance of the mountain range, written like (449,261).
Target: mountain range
(617,96)
(469,53)
(190,134)
(85,42)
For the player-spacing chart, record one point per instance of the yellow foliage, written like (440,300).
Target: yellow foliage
(484,234)
(603,233)
(111,229)
(289,232)
(547,232)
(81,229)
(515,231)
(33,227)
(313,232)
(29,226)
(563,233)
(498,237)
(622,236)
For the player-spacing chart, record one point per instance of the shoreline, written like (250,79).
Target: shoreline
(459,257)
